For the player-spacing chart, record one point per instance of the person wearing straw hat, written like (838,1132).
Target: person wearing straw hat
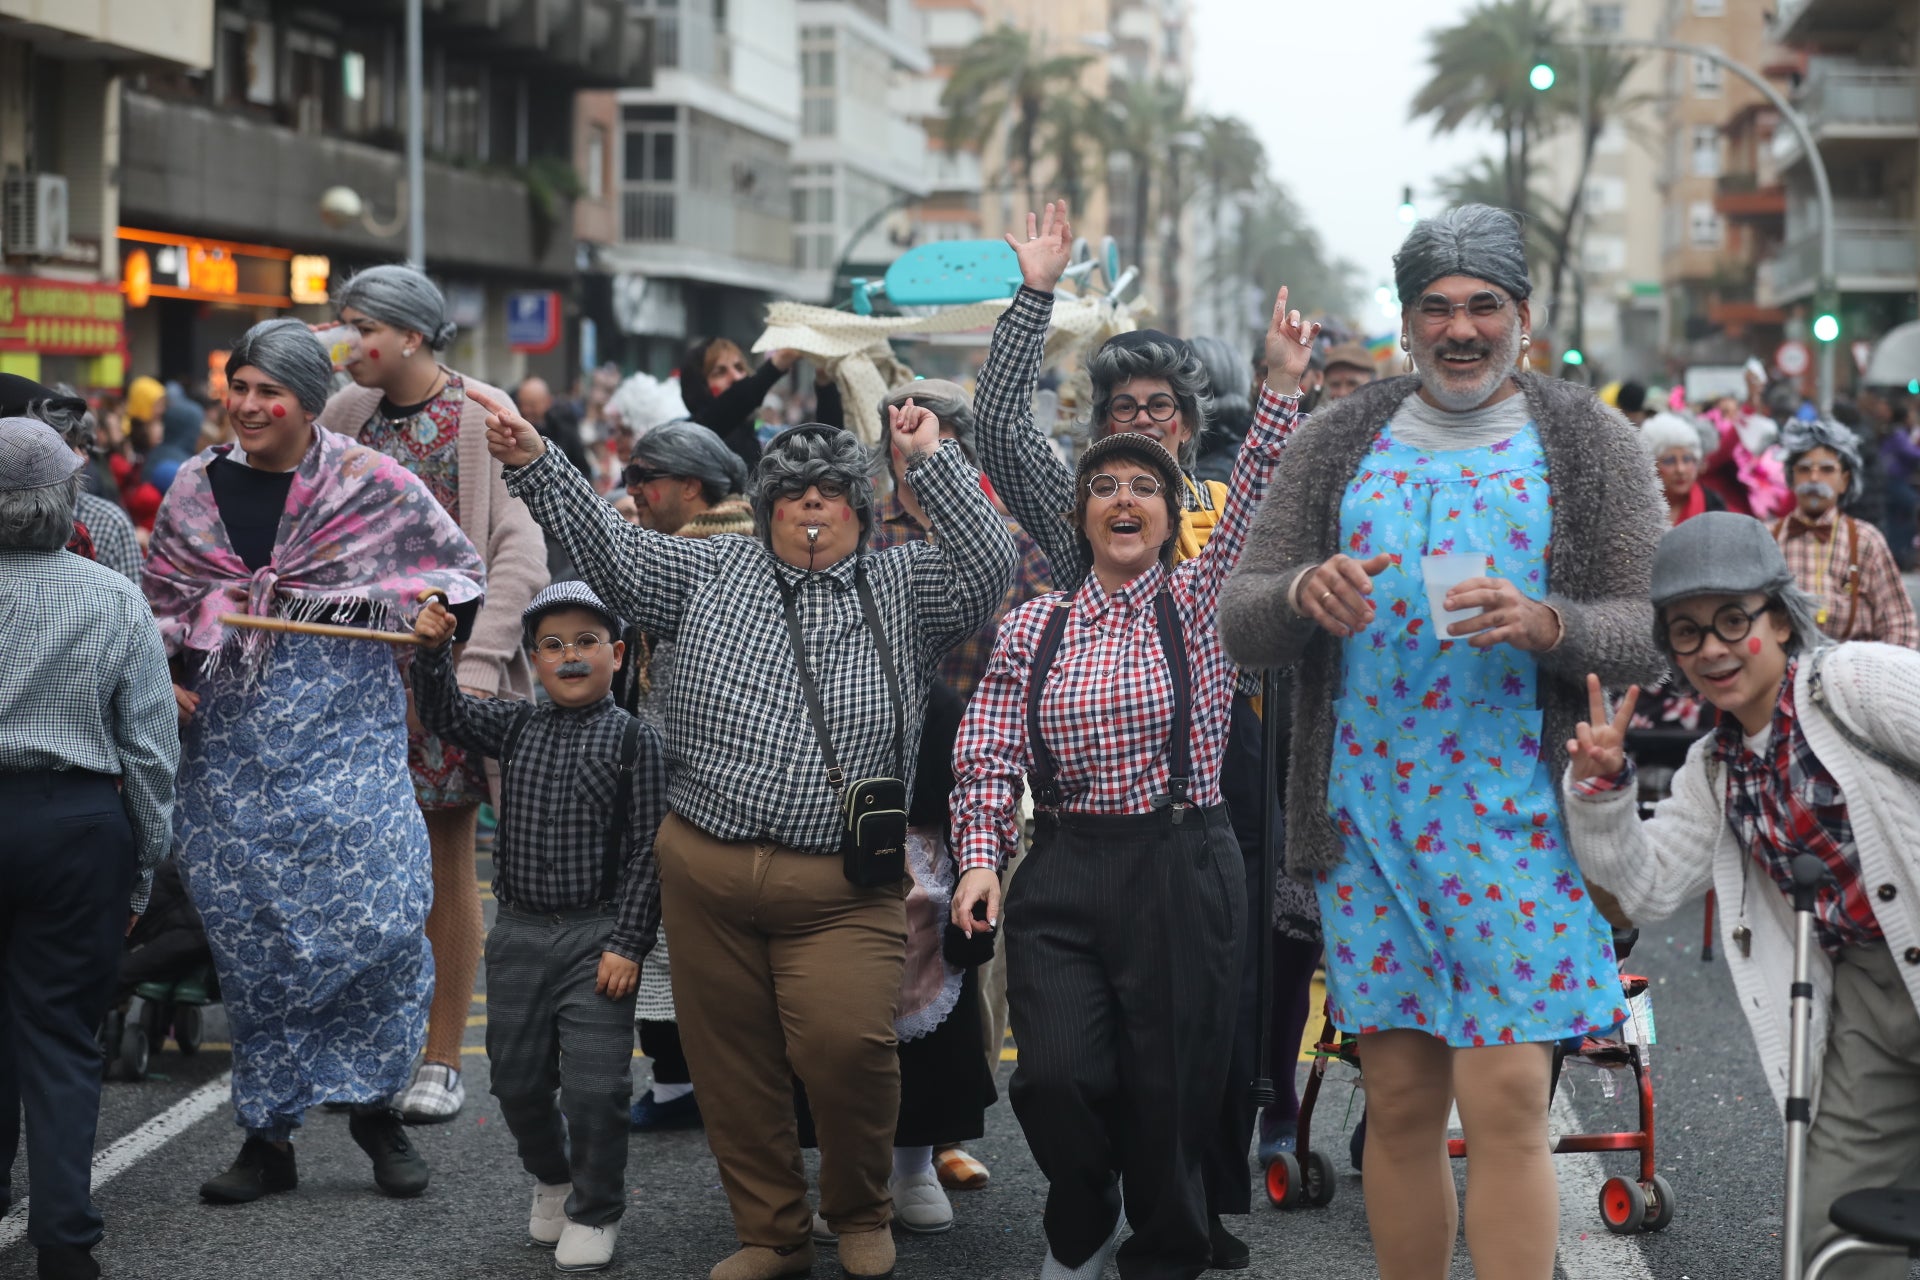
(88,749)
(1816,751)
(298,834)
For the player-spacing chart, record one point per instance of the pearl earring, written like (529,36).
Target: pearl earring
(1526,351)
(1408,362)
(406,353)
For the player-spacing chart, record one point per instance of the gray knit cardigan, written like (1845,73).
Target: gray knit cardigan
(1607,516)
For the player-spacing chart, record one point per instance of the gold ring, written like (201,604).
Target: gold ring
(1327,594)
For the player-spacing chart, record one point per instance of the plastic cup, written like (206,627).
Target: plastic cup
(342,342)
(1443,573)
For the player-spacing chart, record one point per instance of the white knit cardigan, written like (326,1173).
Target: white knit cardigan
(1688,846)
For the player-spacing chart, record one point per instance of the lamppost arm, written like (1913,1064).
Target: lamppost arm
(1822,188)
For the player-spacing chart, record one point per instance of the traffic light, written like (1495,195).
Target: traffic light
(1573,357)
(1407,212)
(1542,76)
(1826,326)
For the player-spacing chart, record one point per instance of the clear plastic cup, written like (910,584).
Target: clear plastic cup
(1444,572)
(342,342)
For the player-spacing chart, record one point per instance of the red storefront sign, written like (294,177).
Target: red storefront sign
(61,317)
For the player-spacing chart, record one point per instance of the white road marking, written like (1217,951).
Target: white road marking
(136,1146)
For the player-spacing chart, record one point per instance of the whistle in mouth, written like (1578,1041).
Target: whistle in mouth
(813,534)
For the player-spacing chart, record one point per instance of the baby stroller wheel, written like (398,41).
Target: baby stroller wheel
(135,1046)
(186,1028)
(1285,1182)
(1316,1179)
(1623,1206)
(1660,1213)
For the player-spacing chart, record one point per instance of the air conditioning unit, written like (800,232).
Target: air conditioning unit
(33,215)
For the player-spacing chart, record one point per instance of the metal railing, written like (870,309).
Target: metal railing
(698,220)
(1864,250)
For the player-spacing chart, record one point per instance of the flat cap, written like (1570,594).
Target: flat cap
(570,594)
(1353,355)
(1717,553)
(32,455)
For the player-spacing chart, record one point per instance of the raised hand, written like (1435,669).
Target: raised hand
(915,430)
(1289,347)
(1048,248)
(510,437)
(1599,744)
(435,625)
(1335,594)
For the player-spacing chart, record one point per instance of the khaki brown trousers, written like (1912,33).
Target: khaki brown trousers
(784,969)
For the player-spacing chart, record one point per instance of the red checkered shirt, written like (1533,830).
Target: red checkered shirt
(1825,562)
(1107,710)
(966,662)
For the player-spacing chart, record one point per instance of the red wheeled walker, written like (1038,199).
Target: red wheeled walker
(1304,1177)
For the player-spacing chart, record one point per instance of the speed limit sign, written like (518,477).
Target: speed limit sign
(1793,358)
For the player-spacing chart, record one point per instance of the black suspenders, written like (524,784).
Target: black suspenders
(1043,777)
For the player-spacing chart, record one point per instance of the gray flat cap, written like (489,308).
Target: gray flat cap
(1717,553)
(567,594)
(32,455)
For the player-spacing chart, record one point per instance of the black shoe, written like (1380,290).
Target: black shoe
(1229,1251)
(398,1169)
(67,1262)
(260,1169)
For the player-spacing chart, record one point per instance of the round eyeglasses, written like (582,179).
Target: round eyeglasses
(1731,622)
(1437,308)
(553,648)
(1105,486)
(1157,409)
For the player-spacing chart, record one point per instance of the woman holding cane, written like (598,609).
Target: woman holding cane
(296,827)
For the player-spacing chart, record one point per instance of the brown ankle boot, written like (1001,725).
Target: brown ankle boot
(867,1255)
(757,1262)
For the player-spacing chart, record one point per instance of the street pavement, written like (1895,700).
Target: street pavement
(1719,1145)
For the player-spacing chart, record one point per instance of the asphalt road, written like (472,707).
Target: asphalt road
(1719,1145)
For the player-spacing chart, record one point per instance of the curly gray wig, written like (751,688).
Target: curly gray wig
(1149,353)
(1798,438)
(1475,240)
(39,519)
(805,455)
(1231,381)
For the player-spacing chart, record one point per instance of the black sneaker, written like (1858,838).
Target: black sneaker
(260,1169)
(67,1262)
(398,1169)
(1230,1252)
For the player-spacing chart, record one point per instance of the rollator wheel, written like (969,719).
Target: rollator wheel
(158,1018)
(186,1028)
(1317,1179)
(134,1046)
(110,1033)
(1623,1206)
(1661,1211)
(1285,1183)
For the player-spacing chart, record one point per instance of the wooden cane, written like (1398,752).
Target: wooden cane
(291,627)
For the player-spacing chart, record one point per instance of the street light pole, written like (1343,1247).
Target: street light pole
(1822,189)
(416,164)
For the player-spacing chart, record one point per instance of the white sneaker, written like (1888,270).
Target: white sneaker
(585,1248)
(1092,1268)
(822,1233)
(920,1204)
(435,1095)
(549,1217)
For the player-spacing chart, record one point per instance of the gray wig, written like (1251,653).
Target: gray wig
(286,351)
(1231,381)
(1798,438)
(1474,240)
(806,455)
(402,297)
(74,422)
(39,519)
(948,400)
(1149,353)
(689,449)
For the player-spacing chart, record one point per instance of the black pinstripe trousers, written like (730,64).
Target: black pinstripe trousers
(1123,971)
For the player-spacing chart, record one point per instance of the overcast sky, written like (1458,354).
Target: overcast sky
(1325,83)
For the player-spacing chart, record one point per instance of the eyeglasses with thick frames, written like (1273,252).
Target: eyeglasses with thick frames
(1437,308)
(829,489)
(1105,486)
(1157,408)
(636,475)
(584,647)
(1731,622)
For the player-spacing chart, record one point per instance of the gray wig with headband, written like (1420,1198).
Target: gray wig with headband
(402,297)
(810,454)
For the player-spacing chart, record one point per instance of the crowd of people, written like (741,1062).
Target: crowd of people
(902,746)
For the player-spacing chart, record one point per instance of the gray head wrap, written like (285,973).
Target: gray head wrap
(402,297)
(689,449)
(805,455)
(1797,438)
(1720,553)
(286,351)
(948,400)
(1474,240)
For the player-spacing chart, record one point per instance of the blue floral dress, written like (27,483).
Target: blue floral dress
(1459,910)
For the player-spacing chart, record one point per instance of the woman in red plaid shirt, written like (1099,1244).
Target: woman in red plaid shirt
(1123,971)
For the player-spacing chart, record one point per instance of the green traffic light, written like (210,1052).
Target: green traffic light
(1826,327)
(1541,77)
(1573,356)
(1913,386)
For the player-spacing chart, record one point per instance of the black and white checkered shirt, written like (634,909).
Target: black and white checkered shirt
(557,799)
(740,750)
(114,543)
(84,685)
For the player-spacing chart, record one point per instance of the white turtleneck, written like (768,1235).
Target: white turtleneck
(1422,426)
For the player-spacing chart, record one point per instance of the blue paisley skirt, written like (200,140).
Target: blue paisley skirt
(304,850)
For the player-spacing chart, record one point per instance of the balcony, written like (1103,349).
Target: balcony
(587,44)
(1828,22)
(1845,102)
(1741,197)
(180,33)
(705,223)
(1870,256)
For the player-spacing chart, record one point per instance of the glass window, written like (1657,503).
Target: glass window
(313,82)
(464,106)
(1703,225)
(596,162)
(1709,8)
(1603,19)
(1706,78)
(246,62)
(1706,151)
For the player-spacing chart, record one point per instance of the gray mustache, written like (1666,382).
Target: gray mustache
(575,668)
(1814,489)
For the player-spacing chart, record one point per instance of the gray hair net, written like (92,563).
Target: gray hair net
(1798,438)
(805,455)
(286,351)
(1149,353)
(1475,240)
(948,400)
(402,297)
(689,449)
(1231,381)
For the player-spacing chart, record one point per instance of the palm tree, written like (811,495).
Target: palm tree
(1002,81)
(1479,75)
(1484,181)
(1275,244)
(1071,128)
(1142,121)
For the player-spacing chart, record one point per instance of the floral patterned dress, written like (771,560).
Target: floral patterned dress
(1459,910)
(427,443)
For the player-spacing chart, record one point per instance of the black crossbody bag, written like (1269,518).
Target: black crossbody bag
(873,840)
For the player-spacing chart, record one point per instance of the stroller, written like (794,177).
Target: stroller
(166,979)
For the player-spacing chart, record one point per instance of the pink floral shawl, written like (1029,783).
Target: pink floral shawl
(360,536)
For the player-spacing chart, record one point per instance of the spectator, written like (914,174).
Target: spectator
(115,543)
(1674,443)
(1231,385)
(722,394)
(555,420)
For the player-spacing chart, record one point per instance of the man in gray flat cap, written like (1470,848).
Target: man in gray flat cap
(1399,564)
(88,747)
